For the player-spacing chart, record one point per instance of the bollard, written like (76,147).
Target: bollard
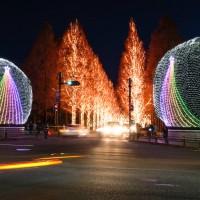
(149,138)
(184,141)
(6,134)
(156,139)
(46,134)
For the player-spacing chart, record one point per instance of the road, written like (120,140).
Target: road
(93,168)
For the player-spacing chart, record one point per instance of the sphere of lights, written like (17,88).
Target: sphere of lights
(15,94)
(176,89)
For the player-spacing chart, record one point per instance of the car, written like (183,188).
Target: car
(76,130)
(112,129)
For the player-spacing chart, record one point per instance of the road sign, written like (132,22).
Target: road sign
(57,100)
(57,93)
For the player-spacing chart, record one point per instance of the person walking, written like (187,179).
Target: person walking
(30,127)
(151,130)
(46,129)
(165,133)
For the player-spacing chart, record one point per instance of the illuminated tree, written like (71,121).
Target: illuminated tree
(15,94)
(41,69)
(75,58)
(132,66)
(94,98)
(165,37)
(105,100)
(95,95)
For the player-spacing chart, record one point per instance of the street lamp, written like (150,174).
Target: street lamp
(70,83)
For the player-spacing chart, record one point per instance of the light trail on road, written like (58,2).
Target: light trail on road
(39,162)
(29,164)
(59,157)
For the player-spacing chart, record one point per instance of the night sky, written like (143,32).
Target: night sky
(104,22)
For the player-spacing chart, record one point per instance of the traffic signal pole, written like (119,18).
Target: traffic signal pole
(70,83)
(129,99)
(59,91)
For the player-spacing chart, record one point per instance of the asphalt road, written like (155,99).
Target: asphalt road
(92,168)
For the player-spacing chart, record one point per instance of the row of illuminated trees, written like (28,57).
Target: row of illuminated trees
(95,101)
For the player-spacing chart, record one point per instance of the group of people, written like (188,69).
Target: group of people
(152,129)
(39,128)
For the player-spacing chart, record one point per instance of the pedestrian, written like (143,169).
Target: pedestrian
(151,130)
(155,130)
(46,129)
(165,133)
(30,127)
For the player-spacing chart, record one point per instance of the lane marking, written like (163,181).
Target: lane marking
(23,149)
(59,157)
(167,184)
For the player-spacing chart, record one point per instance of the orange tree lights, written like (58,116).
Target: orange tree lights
(132,67)
(95,95)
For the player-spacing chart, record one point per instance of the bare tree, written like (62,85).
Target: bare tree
(165,37)
(39,67)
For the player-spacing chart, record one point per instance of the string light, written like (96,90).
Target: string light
(15,94)
(176,86)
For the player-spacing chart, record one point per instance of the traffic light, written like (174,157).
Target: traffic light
(73,83)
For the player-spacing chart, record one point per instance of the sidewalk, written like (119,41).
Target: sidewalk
(181,142)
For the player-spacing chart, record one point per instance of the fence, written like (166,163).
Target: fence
(21,131)
(6,132)
(185,141)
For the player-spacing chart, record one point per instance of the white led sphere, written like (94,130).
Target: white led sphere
(15,94)
(176,88)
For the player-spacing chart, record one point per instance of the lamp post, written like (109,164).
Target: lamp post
(70,83)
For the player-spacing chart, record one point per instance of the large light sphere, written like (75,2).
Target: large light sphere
(15,94)
(176,88)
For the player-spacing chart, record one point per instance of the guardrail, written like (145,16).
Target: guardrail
(184,141)
(6,132)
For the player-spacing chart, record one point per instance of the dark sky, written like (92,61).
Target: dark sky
(104,22)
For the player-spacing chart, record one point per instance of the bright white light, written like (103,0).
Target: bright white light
(6,68)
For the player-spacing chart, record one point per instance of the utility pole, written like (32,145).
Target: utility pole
(130,109)
(59,91)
